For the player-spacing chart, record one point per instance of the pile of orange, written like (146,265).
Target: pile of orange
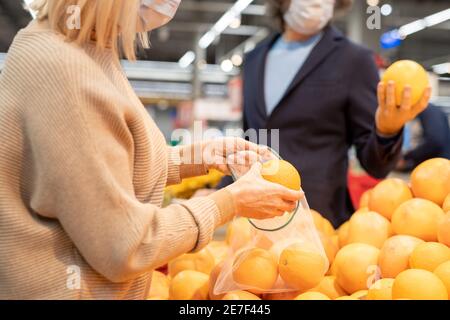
(396,246)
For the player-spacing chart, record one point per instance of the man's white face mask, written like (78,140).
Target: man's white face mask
(156,13)
(309,16)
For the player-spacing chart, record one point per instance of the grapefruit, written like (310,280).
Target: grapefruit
(394,254)
(312,296)
(381,290)
(418,218)
(353,265)
(388,195)
(240,295)
(329,246)
(444,230)
(240,233)
(418,284)
(202,261)
(189,285)
(360,295)
(212,281)
(281,172)
(346,298)
(323,225)
(291,295)
(446,205)
(256,268)
(159,288)
(364,200)
(343,234)
(443,273)
(370,228)
(329,287)
(431,180)
(407,72)
(219,250)
(301,266)
(429,255)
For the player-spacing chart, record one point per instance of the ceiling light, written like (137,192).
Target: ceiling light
(386,9)
(237,60)
(226,65)
(187,59)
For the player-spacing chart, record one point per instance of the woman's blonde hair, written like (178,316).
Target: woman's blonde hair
(112,23)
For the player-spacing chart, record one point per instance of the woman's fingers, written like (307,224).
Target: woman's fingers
(424,101)
(406,99)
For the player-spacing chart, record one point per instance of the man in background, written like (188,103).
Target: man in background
(433,141)
(13,17)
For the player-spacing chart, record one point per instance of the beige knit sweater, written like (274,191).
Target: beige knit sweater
(82,173)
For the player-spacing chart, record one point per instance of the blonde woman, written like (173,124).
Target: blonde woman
(83,166)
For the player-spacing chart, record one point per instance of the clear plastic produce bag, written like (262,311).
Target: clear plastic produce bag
(276,255)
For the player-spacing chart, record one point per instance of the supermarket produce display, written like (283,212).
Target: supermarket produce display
(395,247)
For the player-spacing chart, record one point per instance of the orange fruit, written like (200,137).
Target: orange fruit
(388,195)
(322,224)
(346,298)
(212,282)
(394,254)
(343,234)
(240,295)
(332,271)
(202,261)
(159,288)
(361,210)
(444,230)
(291,295)
(256,268)
(281,172)
(329,246)
(431,180)
(312,296)
(381,290)
(329,287)
(407,72)
(301,266)
(368,227)
(189,285)
(364,200)
(446,205)
(443,273)
(360,295)
(219,250)
(418,218)
(240,233)
(429,255)
(418,284)
(353,265)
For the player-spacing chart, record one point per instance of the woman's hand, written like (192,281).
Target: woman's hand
(390,118)
(217,154)
(257,198)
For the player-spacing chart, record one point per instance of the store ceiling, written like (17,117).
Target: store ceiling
(196,16)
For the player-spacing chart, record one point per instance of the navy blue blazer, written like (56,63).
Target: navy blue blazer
(329,106)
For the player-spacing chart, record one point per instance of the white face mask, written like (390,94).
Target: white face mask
(309,16)
(156,13)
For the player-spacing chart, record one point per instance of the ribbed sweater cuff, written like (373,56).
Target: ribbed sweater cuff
(207,216)
(174,159)
(225,202)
